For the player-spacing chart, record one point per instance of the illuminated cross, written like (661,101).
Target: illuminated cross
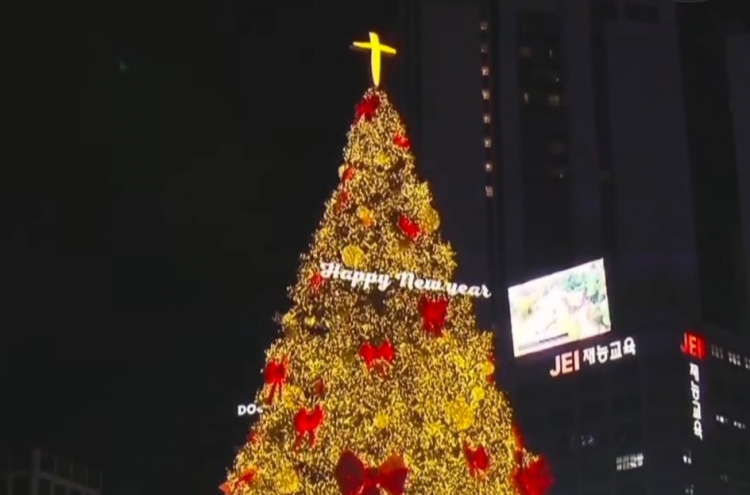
(376,50)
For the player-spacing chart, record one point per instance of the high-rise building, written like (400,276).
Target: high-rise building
(35,472)
(713,65)
(554,133)
(738,68)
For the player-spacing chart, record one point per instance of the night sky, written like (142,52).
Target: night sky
(168,166)
(163,168)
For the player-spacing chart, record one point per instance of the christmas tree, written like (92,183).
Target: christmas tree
(381,382)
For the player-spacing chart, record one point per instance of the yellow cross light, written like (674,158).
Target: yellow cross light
(376,50)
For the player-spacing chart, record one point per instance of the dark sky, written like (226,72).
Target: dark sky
(164,167)
(168,165)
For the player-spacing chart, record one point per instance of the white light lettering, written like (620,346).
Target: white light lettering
(615,350)
(602,353)
(628,346)
(589,355)
(406,280)
(248,409)
(695,394)
(569,362)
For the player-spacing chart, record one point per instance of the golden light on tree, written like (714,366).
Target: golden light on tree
(371,391)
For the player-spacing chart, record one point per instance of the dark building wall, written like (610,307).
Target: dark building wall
(716,202)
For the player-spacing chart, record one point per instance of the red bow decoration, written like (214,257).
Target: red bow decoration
(275,375)
(307,423)
(373,355)
(247,477)
(316,281)
(535,479)
(348,174)
(477,459)
(408,227)
(367,107)
(434,312)
(354,478)
(252,438)
(343,200)
(401,141)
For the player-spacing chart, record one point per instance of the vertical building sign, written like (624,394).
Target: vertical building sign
(694,347)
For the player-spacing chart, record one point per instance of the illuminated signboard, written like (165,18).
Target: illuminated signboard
(569,362)
(248,409)
(694,347)
(559,308)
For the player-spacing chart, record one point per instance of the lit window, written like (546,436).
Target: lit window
(486,94)
(483,48)
(551,53)
(554,100)
(689,490)
(488,167)
(687,457)
(487,119)
(716,351)
(483,25)
(525,97)
(588,440)
(487,142)
(739,425)
(721,419)
(747,363)
(485,71)
(488,191)
(735,359)
(627,462)
(525,51)
(724,477)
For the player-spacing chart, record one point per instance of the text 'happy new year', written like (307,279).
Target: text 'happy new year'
(405,280)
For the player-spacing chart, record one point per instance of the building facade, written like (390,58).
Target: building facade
(560,125)
(555,133)
(738,69)
(35,472)
(662,410)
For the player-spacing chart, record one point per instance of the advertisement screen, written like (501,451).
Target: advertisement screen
(559,308)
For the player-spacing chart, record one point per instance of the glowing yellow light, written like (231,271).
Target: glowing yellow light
(435,396)
(376,50)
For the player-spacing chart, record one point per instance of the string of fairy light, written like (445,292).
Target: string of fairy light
(421,394)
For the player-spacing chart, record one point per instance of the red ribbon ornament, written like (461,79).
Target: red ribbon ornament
(275,375)
(367,107)
(401,141)
(343,200)
(348,174)
(373,355)
(247,477)
(535,479)
(477,459)
(316,281)
(354,478)
(307,422)
(408,227)
(434,312)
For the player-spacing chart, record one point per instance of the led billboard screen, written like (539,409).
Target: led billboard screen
(559,308)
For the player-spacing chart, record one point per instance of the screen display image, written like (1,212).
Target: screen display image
(559,308)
